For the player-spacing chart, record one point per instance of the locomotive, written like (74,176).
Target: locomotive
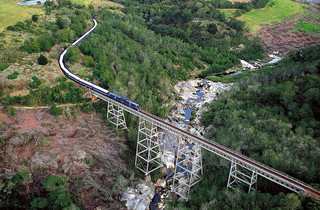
(88,84)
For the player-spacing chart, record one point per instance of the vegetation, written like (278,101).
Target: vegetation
(275,11)
(14,75)
(308,27)
(42,60)
(275,106)
(3,66)
(230,78)
(9,11)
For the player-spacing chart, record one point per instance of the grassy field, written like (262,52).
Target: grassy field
(11,13)
(230,78)
(82,2)
(228,12)
(276,13)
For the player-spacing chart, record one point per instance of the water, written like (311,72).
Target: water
(155,201)
(275,60)
(238,72)
(31,2)
(187,112)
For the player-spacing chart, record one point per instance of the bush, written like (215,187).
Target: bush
(14,75)
(35,82)
(38,203)
(35,18)
(55,111)
(30,63)
(42,60)
(11,28)
(3,66)
(11,86)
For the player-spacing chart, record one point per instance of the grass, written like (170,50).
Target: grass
(230,78)
(97,3)
(228,12)
(308,27)
(11,13)
(82,2)
(276,13)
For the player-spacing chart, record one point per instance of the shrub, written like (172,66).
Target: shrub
(35,82)
(42,60)
(35,18)
(12,60)
(11,86)
(2,141)
(30,63)
(14,75)
(3,66)
(11,28)
(55,111)
(54,183)
(38,203)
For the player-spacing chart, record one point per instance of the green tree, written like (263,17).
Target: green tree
(35,18)
(42,60)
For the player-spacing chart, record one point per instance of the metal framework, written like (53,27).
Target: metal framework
(115,115)
(220,150)
(148,151)
(188,167)
(239,174)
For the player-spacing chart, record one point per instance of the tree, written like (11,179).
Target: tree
(35,18)
(212,28)
(60,23)
(42,60)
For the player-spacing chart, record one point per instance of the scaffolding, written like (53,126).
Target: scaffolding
(115,115)
(148,151)
(240,174)
(188,167)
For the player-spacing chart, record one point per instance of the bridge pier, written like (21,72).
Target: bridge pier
(187,168)
(240,174)
(148,151)
(115,115)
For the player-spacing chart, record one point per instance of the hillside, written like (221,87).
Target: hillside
(57,148)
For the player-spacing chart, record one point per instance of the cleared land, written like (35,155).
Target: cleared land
(11,13)
(275,11)
(82,2)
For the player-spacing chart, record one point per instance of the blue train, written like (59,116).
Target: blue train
(88,84)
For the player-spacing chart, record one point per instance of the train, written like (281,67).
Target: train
(88,84)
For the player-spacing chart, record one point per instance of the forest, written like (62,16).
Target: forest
(273,117)
(141,51)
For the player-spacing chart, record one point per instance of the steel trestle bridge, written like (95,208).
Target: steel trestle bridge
(188,164)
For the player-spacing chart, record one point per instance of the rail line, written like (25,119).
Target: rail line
(246,162)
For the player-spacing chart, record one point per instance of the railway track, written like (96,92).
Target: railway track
(246,162)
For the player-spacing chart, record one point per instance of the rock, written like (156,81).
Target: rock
(180,110)
(192,130)
(163,171)
(146,189)
(80,154)
(161,183)
(147,178)
(135,201)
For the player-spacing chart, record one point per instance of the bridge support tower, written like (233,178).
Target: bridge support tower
(188,167)
(148,151)
(241,174)
(115,115)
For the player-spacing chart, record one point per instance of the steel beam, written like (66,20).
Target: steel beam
(188,167)
(147,151)
(116,116)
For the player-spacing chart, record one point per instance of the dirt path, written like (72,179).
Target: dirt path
(45,107)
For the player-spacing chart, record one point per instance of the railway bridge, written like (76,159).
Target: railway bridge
(188,163)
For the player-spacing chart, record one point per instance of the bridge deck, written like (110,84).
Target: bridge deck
(246,162)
